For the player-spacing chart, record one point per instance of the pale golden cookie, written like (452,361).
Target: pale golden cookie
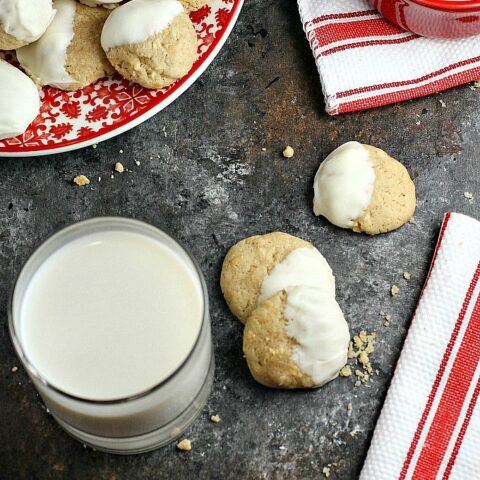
(192,5)
(9,42)
(268,348)
(393,201)
(248,263)
(86,61)
(161,59)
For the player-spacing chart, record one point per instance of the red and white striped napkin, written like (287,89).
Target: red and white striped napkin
(365,61)
(429,427)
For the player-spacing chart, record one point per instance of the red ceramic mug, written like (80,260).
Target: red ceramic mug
(433,18)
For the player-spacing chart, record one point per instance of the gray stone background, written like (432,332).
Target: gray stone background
(204,176)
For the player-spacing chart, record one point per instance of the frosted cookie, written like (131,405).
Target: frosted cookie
(19,101)
(23,21)
(192,5)
(362,188)
(258,267)
(68,56)
(150,42)
(296,339)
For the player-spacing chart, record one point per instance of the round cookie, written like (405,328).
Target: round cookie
(150,42)
(259,266)
(362,188)
(19,101)
(296,339)
(192,5)
(68,56)
(23,22)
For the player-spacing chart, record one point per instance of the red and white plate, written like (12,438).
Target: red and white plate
(111,106)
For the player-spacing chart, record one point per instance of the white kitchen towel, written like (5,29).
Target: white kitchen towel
(365,61)
(429,427)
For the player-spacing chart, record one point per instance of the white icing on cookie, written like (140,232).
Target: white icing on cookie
(304,266)
(19,101)
(316,322)
(344,185)
(26,20)
(137,20)
(45,59)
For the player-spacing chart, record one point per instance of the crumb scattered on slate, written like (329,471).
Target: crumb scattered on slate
(185,445)
(215,419)
(119,167)
(394,290)
(81,180)
(407,276)
(288,152)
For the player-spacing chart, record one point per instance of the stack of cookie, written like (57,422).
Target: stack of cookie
(68,44)
(283,290)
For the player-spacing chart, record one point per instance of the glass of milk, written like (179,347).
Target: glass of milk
(110,319)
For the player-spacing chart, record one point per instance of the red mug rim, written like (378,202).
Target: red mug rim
(453,6)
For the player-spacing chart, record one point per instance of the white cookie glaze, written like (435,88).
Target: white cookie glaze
(45,59)
(316,322)
(344,185)
(26,20)
(304,266)
(19,101)
(137,20)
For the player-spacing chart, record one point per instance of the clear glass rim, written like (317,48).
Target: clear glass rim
(79,226)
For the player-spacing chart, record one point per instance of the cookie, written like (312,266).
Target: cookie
(19,101)
(23,22)
(296,339)
(69,55)
(150,42)
(258,267)
(362,188)
(192,5)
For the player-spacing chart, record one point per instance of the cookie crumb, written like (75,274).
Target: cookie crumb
(346,371)
(442,103)
(326,471)
(94,146)
(468,195)
(215,419)
(121,151)
(81,180)
(288,152)
(349,406)
(388,318)
(119,167)
(185,445)
(264,149)
(137,163)
(394,290)
(14,369)
(412,221)
(407,276)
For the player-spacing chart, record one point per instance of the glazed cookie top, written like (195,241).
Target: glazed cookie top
(137,20)
(316,322)
(45,59)
(26,20)
(296,339)
(19,101)
(261,265)
(303,266)
(344,185)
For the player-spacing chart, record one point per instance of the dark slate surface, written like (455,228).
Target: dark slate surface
(203,175)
